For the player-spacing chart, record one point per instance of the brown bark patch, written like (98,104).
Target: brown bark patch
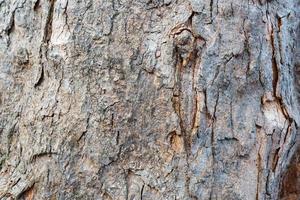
(28,194)
(290,188)
(176,142)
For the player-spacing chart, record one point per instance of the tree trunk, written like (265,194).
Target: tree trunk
(148,99)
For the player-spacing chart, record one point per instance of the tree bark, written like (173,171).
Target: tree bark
(148,99)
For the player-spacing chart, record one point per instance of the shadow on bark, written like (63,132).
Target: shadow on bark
(290,186)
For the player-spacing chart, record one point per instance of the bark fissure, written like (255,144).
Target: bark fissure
(213,144)
(48,24)
(27,193)
(247,47)
(276,76)
(274,63)
(47,32)
(275,159)
(42,155)
(211,5)
(259,168)
(11,25)
(183,62)
(142,192)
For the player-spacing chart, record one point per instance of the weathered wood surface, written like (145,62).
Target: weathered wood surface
(147,99)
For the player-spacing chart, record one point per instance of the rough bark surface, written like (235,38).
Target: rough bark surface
(291,180)
(148,99)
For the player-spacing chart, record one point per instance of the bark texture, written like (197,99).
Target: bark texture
(148,99)
(291,180)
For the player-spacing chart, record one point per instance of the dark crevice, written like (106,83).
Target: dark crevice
(211,4)
(11,25)
(208,115)
(16,183)
(36,5)
(42,154)
(82,135)
(86,129)
(46,39)
(247,47)
(279,25)
(212,144)
(274,63)
(41,78)
(27,193)
(66,16)
(275,159)
(288,130)
(259,168)
(267,182)
(142,192)
(118,137)
(259,64)
(49,21)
